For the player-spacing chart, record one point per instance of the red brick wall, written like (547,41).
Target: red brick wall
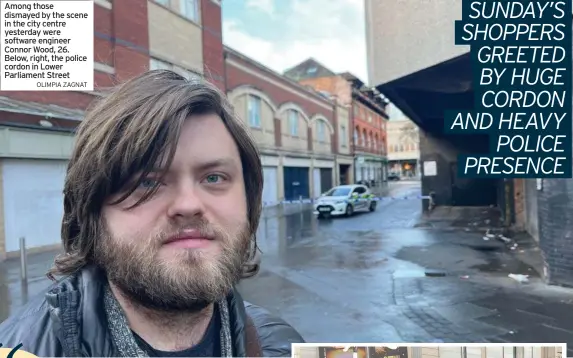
(212,38)
(126,24)
(131,31)
(103,48)
(360,121)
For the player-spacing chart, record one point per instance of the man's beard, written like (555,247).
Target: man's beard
(188,281)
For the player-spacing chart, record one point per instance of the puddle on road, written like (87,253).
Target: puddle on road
(409,273)
(416,273)
(485,247)
(507,265)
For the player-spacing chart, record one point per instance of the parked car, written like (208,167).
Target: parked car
(393,177)
(344,200)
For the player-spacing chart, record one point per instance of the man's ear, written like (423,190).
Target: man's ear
(252,266)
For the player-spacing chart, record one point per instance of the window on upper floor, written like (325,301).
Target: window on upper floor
(186,73)
(190,9)
(254,108)
(355,137)
(293,122)
(370,117)
(321,131)
(343,136)
(155,64)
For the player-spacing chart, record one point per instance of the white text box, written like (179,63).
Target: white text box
(47,45)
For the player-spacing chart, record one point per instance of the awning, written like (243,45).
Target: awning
(38,109)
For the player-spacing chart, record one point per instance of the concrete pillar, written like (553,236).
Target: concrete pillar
(351,173)
(280,178)
(336,173)
(2,228)
(311,180)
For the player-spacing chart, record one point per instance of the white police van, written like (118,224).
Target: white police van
(344,200)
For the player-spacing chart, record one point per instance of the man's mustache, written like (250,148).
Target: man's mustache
(202,227)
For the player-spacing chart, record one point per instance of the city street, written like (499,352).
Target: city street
(381,277)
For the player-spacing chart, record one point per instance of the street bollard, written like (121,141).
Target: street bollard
(23,259)
(432,202)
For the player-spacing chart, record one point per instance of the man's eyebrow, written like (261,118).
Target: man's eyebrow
(204,166)
(216,163)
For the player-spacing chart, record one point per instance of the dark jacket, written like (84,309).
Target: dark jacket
(69,320)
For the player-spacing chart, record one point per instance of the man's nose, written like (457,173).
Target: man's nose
(186,201)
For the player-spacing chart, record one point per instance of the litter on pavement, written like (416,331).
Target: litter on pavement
(519,277)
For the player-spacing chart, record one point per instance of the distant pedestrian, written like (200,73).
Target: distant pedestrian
(162,200)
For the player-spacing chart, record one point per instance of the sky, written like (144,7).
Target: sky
(282,33)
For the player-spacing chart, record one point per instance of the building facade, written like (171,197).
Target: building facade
(367,114)
(296,129)
(403,148)
(36,128)
(369,121)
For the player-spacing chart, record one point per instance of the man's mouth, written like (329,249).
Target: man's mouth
(188,239)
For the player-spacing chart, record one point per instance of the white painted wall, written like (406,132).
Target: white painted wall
(33,201)
(270,189)
(316,181)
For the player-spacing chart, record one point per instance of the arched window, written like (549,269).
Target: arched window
(293,122)
(321,131)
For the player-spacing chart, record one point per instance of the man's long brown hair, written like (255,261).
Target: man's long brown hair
(128,132)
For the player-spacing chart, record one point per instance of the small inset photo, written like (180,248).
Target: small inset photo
(428,350)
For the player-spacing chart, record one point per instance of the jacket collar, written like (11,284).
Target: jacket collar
(77,312)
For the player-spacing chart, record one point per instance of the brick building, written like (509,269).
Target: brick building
(36,128)
(403,150)
(367,111)
(300,132)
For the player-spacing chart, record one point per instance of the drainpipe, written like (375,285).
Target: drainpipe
(225,56)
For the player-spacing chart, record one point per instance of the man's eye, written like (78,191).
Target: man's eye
(148,183)
(213,178)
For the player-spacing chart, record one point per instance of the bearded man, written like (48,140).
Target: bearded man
(162,200)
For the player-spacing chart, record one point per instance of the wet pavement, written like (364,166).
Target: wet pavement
(382,276)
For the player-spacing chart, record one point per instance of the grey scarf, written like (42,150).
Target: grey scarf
(124,340)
